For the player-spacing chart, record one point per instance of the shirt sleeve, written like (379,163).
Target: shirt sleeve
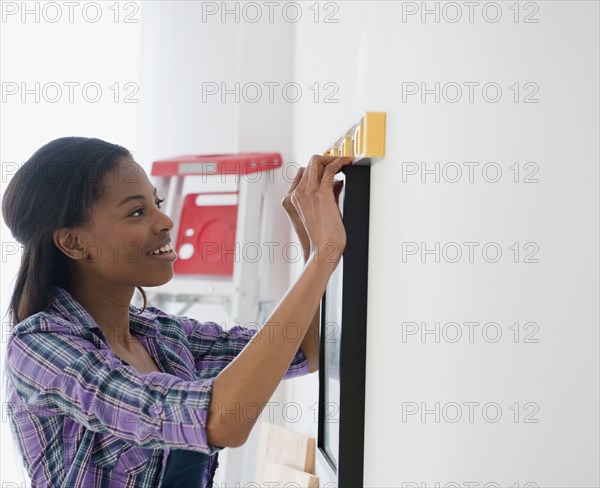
(214,347)
(62,374)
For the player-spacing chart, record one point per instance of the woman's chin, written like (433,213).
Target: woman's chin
(158,281)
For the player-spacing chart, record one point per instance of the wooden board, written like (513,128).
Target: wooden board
(283,446)
(280,475)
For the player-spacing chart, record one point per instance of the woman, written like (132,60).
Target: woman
(102,393)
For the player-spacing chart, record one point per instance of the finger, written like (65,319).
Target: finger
(287,197)
(296,205)
(331,170)
(297,179)
(326,159)
(316,168)
(314,173)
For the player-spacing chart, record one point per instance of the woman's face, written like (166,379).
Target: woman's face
(126,225)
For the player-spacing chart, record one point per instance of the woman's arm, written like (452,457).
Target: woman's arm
(310,343)
(243,388)
(214,347)
(55,372)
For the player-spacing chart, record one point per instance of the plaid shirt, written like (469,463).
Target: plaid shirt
(84,418)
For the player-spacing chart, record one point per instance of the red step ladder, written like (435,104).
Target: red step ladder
(210,228)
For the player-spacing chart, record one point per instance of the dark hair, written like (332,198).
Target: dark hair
(55,188)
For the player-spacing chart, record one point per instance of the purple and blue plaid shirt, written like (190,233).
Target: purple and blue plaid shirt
(82,417)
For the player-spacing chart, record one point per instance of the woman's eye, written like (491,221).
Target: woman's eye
(158,202)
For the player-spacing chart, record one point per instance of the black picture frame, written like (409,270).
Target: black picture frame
(343,330)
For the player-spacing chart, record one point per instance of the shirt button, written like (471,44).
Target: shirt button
(156,409)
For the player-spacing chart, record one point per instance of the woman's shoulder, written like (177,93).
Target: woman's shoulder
(62,314)
(40,322)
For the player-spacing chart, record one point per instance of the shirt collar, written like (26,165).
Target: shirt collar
(62,303)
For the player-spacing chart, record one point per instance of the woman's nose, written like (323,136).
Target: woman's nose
(164,222)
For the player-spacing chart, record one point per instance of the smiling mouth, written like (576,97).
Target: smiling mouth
(163,250)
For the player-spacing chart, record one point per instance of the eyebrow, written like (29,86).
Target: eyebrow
(134,197)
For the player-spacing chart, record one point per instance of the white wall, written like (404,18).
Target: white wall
(370,53)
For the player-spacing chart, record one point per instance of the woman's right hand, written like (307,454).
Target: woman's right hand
(316,203)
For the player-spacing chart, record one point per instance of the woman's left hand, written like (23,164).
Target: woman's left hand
(293,215)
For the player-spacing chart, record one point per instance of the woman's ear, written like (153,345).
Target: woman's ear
(69,242)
